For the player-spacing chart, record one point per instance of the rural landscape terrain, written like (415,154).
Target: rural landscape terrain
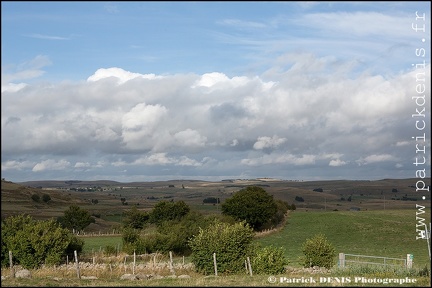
(358,217)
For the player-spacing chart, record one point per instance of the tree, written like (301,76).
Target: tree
(319,252)
(46,198)
(230,242)
(35,197)
(165,211)
(134,218)
(251,204)
(76,218)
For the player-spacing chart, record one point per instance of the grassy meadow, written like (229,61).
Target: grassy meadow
(386,233)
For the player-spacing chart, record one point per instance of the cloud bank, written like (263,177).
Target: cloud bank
(309,118)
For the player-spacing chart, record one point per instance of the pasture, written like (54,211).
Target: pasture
(384,226)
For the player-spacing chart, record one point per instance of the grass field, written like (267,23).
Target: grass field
(387,233)
(97,243)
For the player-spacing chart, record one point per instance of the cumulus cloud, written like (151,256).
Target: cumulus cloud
(305,113)
(51,165)
(121,75)
(376,158)
(337,163)
(268,142)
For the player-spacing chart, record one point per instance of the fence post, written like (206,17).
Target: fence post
(125,264)
(133,268)
(77,264)
(11,265)
(250,267)
(215,264)
(409,261)
(342,260)
(171,262)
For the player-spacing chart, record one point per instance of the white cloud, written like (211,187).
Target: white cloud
(280,159)
(140,125)
(337,163)
(173,121)
(16,165)
(359,24)
(82,165)
(268,142)
(121,75)
(376,158)
(51,165)
(190,138)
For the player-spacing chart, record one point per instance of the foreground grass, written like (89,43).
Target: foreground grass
(301,280)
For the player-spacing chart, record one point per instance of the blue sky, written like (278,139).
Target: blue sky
(140,91)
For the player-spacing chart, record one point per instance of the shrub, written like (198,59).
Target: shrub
(46,198)
(231,243)
(36,242)
(319,252)
(35,197)
(269,260)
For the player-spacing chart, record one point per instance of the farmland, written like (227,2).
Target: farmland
(381,226)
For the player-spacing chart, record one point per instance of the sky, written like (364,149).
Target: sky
(148,91)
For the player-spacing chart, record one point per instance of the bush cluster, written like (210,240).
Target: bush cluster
(230,242)
(34,243)
(319,252)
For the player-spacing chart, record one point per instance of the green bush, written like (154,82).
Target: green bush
(231,243)
(35,197)
(319,252)
(171,235)
(46,198)
(269,260)
(36,242)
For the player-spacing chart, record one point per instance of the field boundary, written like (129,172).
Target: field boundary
(374,260)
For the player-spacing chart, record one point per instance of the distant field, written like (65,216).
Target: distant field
(97,243)
(387,233)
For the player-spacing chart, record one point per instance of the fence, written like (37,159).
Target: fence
(348,259)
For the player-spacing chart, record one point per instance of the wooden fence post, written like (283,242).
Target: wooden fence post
(11,265)
(77,264)
(342,260)
(171,262)
(125,264)
(133,268)
(250,267)
(215,264)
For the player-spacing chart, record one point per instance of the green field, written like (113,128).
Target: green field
(386,233)
(97,243)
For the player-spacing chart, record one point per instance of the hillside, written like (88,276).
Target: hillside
(114,197)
